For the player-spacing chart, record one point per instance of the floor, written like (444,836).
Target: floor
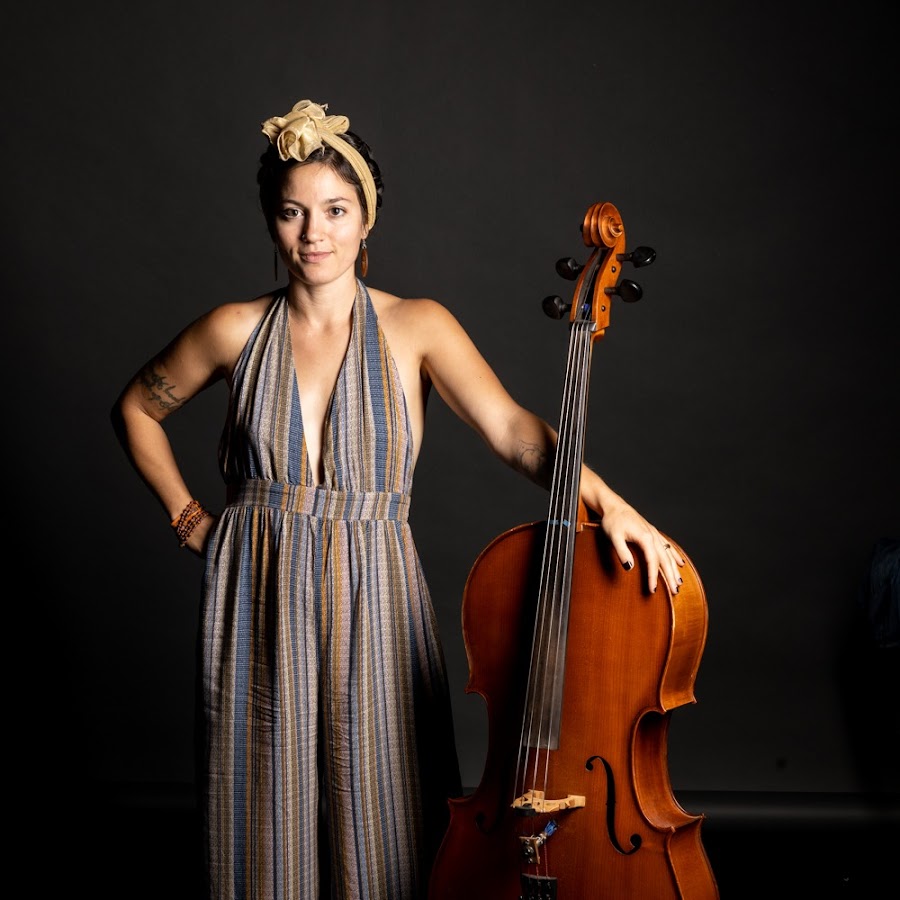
(772,847)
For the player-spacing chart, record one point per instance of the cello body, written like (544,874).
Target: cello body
(632,658)
(580,667)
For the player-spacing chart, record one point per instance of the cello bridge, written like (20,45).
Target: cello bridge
(533,802)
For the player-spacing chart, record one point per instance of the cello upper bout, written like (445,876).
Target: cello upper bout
(691,625)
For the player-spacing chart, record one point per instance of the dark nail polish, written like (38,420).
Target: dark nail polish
(627,565)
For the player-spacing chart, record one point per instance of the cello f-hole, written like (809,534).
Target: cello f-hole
(636,840)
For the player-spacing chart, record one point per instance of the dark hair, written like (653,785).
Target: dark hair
(273,170)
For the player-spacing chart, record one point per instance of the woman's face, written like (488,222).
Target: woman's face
(319,224)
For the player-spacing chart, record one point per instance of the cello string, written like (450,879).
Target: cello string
(571,467)
(556,535)
(548,586)
(562,464)
(546,672)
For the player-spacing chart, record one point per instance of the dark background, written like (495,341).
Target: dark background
(747,405)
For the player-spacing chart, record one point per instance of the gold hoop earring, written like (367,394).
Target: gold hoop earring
(364,260)
(275,261)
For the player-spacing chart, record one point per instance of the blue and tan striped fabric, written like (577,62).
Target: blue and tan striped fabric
(328,741)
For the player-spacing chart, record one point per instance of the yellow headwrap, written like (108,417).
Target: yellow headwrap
(305,129)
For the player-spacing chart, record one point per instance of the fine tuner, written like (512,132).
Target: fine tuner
(630,291)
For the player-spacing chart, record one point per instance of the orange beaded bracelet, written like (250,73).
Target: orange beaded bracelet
(191,516)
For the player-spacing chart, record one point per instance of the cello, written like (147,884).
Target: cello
(580,668)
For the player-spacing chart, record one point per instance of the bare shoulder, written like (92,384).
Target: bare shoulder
(234,320)
(224,330)
(432,339)
(419,318)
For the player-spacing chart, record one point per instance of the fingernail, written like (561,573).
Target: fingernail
(681,581)
(627,565)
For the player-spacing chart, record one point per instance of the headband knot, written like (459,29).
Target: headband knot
(306,129)
(299,133)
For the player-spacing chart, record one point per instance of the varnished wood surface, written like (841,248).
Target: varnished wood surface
(632,658)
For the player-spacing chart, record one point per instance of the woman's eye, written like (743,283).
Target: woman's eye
(337,210)
(290,213)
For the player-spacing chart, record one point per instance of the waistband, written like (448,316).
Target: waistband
(319,502)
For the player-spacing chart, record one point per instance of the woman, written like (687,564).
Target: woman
(329,749)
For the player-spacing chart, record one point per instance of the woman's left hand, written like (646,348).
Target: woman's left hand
(623,524)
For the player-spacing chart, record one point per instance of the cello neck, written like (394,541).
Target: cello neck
(601,229)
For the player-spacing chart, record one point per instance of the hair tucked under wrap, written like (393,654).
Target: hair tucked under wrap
(306,129)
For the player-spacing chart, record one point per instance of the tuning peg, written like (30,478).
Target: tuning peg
(568,268)
(555,307)
(640,256)
(628,290)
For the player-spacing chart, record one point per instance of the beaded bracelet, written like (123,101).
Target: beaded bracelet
(191,516)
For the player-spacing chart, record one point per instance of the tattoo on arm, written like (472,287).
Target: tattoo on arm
(533,463)
(158,389)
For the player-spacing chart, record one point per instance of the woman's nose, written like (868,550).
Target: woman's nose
(312,230)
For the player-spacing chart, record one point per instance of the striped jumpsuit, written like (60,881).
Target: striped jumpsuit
(328,748)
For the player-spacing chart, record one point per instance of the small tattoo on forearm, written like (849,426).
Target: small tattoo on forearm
(532,461)
(159,390)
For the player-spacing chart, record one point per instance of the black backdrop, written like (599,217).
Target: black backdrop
(747,405)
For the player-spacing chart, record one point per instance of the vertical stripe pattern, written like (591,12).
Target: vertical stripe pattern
(329,749)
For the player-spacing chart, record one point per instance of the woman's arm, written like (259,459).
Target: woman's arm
(199,356)
(526,442)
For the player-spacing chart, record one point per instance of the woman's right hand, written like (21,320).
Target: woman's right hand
(199,538)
